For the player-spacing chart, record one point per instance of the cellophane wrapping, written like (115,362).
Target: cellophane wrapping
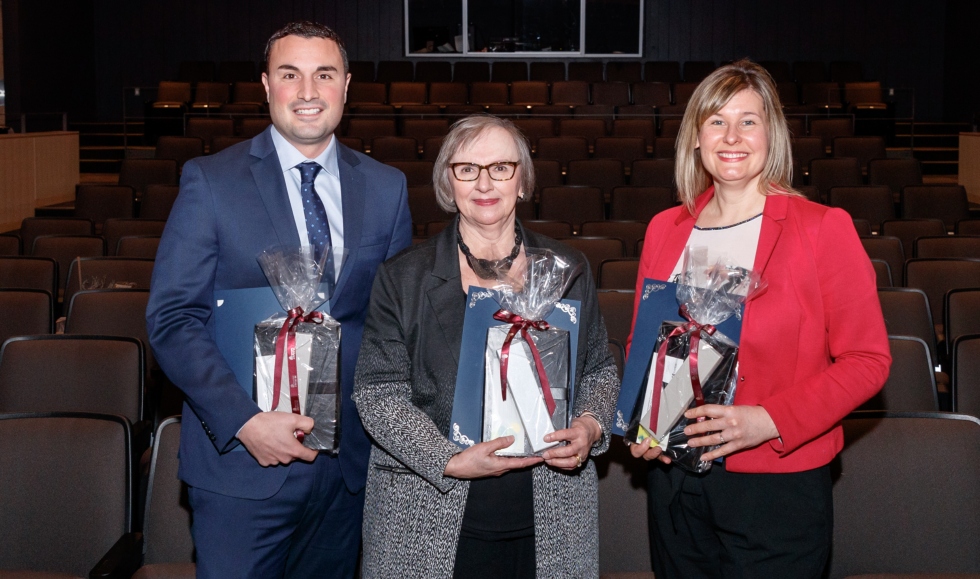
(295,276)
(710,291)
(532,296)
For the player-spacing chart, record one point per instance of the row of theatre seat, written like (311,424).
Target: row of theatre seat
(242,97)
(479,70)
(75,512)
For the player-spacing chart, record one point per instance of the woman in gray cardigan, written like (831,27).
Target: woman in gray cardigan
(433,510)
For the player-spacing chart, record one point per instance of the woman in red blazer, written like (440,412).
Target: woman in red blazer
(813,344)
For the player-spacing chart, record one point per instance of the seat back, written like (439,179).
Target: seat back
(25,312)
(101,273)
(895,173)
(907,313)
(939,275)
(550,228)
(864,149)
(448,93)
(180,149)
(618,274)
(115,229)
(892,515)
(138,173)
(423,207)
(945,202)
(962,309)
(653,173)
(909,229)
(207,128)
(34,227)
(628,231)
(394,149)
(606,174)
(656,94)
(157,202)
(529,92)
(883,274)
(871,202)
(406,93)
(572,204)
(829,129)
(840,172)
(64,490)
(65,248)
(640,203)
(547,71)
(62,373)
(429,71)
(948,246)
(597,249)
(100,202)
(911,384)
(418,173)
(966,374)
(563,149)
(570,92)
(167,524)
(138,246)
(488,93)
(22,272)
(508,71)
(618,353)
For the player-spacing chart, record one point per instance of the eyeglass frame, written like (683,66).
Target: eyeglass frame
(513,164)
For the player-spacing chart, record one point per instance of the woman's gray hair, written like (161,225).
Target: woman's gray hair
(710,97)
(464,132)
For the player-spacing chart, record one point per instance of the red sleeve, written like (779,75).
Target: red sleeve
(856,338)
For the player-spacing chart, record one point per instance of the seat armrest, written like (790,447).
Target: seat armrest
(122,559)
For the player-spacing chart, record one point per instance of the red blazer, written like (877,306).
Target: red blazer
(813,345)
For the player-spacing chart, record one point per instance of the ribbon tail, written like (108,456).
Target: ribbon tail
(549,399)
(280,350)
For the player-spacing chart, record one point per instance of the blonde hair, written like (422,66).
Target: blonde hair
(710,97)
(464,132)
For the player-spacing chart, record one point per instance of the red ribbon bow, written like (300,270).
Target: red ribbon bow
(695,330)
(519,324)
(286,344)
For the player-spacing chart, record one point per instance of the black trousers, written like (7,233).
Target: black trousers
(737,525)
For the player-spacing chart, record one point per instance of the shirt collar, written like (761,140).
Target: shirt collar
(289,156)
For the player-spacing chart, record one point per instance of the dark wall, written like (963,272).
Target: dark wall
(48,57)
(899,42)
(110,44)
(962,75)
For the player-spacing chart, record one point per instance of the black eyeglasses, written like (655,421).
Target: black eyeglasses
(502,171)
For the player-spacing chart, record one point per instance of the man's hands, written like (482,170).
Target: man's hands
(479,460)
(270,438)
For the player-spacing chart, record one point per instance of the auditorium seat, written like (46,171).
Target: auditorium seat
(100,202)
(25,312)
(156,204)
(118,228)
(871,202)
(95,273)
(180,149)
(666,71)
(618,274)
(909,229)
(911,384)
(138,173)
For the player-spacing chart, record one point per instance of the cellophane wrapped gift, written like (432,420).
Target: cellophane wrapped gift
(533,400)
(300,345)
(708,293)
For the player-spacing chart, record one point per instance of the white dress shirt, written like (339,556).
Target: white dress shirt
(327,185)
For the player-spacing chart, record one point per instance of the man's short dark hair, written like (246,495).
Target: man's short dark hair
(306,29)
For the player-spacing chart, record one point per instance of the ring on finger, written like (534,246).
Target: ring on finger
(578,460)
(722,437)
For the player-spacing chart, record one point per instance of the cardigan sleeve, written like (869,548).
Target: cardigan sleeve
(599,387)
(383,390)
(857,341)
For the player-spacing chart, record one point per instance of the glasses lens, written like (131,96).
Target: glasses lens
(466,172)
(501,171)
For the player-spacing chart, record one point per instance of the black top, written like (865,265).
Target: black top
(500,507)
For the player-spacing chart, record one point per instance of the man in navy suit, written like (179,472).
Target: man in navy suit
(263,504)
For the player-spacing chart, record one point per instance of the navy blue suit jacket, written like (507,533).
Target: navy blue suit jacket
(231,206)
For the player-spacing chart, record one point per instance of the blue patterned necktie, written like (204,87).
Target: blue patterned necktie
(317,226)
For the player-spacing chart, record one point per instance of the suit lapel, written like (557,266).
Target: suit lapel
(267,173)
(444,297)
(352,190)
